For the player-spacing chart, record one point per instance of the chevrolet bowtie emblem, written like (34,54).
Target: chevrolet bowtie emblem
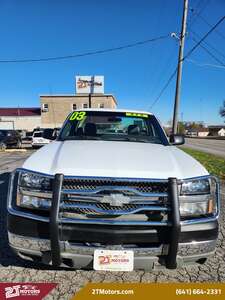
(115,199)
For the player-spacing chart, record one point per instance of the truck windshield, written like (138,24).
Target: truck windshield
(38,134)
(112,126)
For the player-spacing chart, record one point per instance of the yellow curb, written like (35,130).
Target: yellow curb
(15,150)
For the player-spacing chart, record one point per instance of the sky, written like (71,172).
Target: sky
(136,76)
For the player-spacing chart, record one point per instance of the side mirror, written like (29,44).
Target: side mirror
(177,139)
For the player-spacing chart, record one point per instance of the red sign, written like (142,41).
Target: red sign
(25,290)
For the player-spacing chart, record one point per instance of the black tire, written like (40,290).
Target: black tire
(2,146)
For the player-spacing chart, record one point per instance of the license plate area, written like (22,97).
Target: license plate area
(113,260)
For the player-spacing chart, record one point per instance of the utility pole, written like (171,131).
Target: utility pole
(91,90)
(89,100)
(179,67)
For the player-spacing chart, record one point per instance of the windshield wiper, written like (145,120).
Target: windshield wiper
(130,139)
(112,138)
(80,137)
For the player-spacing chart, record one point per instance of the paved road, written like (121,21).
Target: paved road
(13,269)
(216,147)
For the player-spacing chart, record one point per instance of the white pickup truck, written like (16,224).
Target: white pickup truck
(113,193)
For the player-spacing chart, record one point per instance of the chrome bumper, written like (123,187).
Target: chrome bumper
(82,256)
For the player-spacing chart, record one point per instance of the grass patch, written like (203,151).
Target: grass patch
(214,164)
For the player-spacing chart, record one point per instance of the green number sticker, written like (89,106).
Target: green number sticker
(77,115)
(128,114)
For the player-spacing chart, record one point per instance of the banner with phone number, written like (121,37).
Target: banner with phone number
(144,291)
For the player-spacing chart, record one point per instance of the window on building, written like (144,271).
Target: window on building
(101,105)
(45,107)
(85,105)
(74,106)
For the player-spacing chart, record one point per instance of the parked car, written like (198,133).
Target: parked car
(9,138)
(28,137)
(38,139)
(120,199)
(43,137)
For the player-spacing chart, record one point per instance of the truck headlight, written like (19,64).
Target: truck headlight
(196,208)
(32,202)
(34,181)
(198,197)
(195,187)
(34,190)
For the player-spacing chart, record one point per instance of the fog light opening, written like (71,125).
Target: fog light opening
(201,261)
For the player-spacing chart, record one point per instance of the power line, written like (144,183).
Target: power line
(163,70)
(204,37)
(216,31)
(209,45)
(139,43)
(185,57)
(203,64)
(163,89)
(197,13)
(210,53)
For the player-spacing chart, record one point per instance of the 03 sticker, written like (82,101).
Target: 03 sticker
(78,116)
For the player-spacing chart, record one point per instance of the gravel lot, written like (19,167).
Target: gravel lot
(13,269)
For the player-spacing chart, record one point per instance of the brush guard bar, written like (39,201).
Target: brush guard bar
(173,223)
(173,218)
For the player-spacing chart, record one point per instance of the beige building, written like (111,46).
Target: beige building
(55,108)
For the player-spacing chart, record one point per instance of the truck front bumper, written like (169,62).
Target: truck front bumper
(30,240)
(57,241)
(79,256)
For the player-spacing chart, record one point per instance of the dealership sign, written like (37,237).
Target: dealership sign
(24,290)
(90,84)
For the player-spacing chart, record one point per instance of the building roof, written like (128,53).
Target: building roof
(19,111)
(198,130)
(78,96)
(203,130)
(216,127)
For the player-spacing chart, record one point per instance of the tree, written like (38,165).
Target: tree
(222,110)
(181,128)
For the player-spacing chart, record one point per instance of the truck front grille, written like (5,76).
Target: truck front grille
(107,209)
(98,185)
(104,199)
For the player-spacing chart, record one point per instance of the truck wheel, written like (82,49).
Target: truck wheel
(2,146)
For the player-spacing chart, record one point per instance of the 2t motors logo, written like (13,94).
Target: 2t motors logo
(21,290)
(25,290)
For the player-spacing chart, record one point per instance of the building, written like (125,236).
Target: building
(55,108)
(201,132)
(216,130)
(26,118)
(89,93)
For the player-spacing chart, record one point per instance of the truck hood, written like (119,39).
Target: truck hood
(114,159)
